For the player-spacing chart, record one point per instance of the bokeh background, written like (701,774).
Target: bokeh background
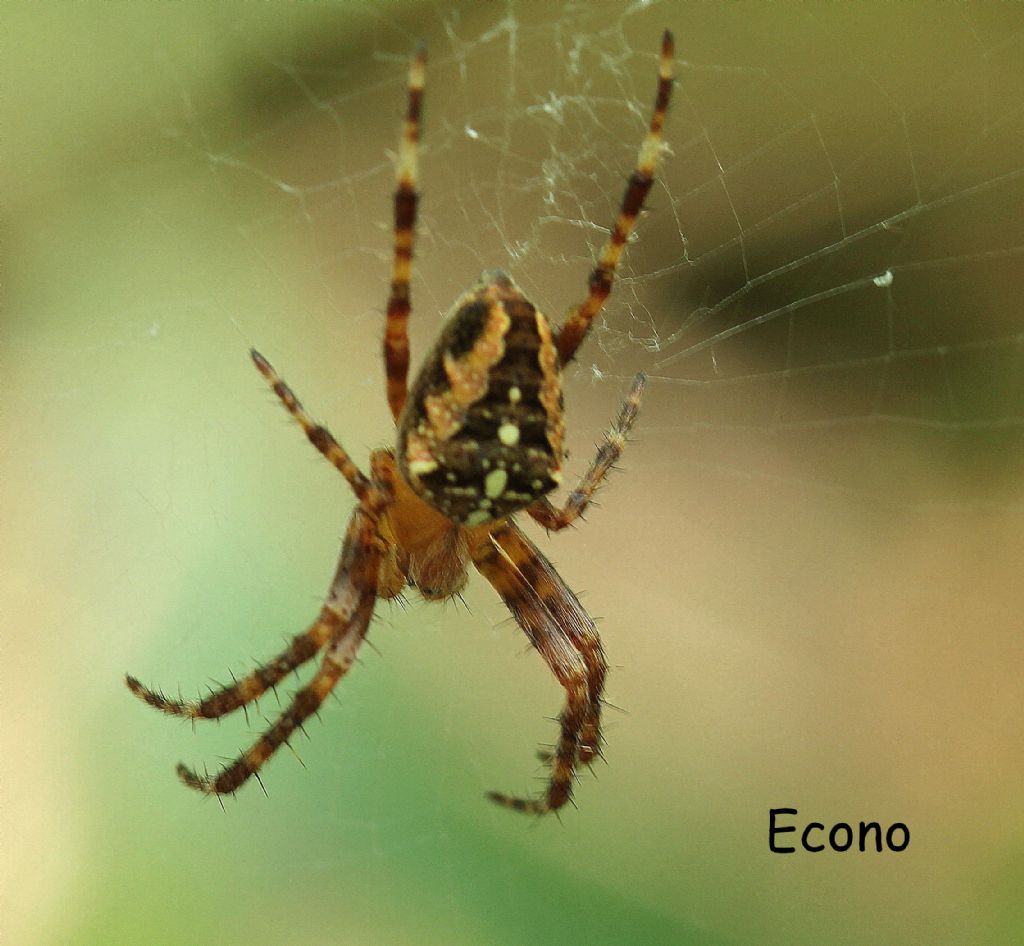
(808,576)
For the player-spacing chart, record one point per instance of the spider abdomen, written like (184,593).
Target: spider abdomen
(481,433)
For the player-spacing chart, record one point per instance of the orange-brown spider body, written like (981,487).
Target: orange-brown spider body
(479,439)
(425,549)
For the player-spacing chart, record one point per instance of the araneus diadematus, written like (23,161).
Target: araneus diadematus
(479,439)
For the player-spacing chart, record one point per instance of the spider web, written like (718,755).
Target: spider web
(825,296)
(827,277)
(824,293)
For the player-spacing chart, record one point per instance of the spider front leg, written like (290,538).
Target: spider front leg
(565,636)
(303,647)
(564,608)
(603,275)
(554,519)
(350,605)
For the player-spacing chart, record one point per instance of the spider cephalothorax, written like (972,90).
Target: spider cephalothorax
(479,438)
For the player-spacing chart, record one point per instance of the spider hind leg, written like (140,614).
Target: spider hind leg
(577,325)
(396,329)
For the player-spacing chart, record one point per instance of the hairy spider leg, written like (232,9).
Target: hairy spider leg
(318,435)
(351,602)
(556,645)
(302,648)
(396,330)
(569,615)
(608,453)
(603,275)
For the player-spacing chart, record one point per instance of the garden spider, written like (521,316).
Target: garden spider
(479,439)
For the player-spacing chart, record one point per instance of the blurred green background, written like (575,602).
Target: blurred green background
(808,576)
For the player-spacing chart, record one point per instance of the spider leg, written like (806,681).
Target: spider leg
(396,331)
(570,617)
(303,647)
(351,601)
(564,635)
(317,434)
(603,275)
(554,519)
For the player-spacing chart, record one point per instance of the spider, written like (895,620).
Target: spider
(479,439)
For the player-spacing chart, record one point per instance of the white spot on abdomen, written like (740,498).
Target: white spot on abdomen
(495,482)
